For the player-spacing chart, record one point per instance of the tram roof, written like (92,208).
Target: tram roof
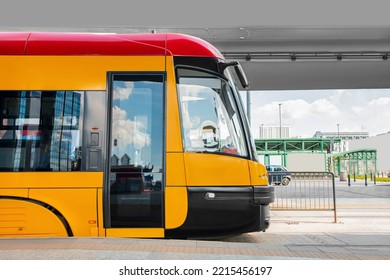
(61,43)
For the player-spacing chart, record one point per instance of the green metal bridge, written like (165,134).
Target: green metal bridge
(358,162)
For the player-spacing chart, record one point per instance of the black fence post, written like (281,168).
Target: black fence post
(354,177)
(349,180)
(365,179)
(334,198)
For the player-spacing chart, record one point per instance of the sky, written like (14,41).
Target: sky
(308,111)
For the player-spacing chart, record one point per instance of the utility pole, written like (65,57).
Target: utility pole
(338,130)
(280,120)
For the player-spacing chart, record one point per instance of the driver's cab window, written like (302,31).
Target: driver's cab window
(209,115)
(200,118)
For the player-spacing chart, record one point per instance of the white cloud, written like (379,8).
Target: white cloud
(357,110)
(123,93)
(295,109)
(324,106)
(118,114)
(382,101)
(128,132)
(337,96)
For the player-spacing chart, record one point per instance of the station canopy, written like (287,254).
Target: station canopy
(356,162)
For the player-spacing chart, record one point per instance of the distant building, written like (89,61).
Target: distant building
(272,131)
(342,135)
(381,144)
(345,137)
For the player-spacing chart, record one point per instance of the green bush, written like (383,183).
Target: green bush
(382,179)
(378,179)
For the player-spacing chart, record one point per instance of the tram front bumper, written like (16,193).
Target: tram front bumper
(263,195)
(227,210)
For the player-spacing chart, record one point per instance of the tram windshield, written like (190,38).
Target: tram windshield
(209,113)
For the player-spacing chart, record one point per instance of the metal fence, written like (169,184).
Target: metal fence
(304,191)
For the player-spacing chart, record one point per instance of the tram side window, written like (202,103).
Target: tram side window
(40,130)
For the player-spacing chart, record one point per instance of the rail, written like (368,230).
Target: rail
(313,191)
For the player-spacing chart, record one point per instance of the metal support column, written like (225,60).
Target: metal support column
(248,105)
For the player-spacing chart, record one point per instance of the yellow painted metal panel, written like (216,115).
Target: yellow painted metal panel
(69,72)
(94,232)
(176,206)
(51,179)
(99,211)
(176,202)
(20,218)
(175,173)
(216,170)
(13,192)
(135,232)
(174,138)
(258,172)
(78,206)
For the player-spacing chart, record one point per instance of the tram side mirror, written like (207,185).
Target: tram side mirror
(241,75)
(239,71)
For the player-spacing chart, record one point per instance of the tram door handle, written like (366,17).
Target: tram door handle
(94,153)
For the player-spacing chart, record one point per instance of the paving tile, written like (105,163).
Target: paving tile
(237,245)
(295,248)
(183,243)
(372,239)
(182,256)
(364,251)
(210,244)
(333,249)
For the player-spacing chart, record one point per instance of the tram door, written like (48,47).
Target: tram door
(135,172)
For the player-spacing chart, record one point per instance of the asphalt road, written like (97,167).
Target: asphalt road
(358,190)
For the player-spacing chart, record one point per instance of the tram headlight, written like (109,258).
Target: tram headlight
(209,195)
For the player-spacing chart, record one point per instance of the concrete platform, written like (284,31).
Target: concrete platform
(362,232)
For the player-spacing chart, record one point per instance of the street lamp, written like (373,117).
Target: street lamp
(338,137)
(338,131)
(262,131)
(280,120)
